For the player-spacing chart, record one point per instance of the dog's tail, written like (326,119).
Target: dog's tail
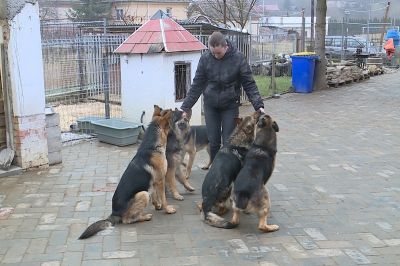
(98,226)
(215,220)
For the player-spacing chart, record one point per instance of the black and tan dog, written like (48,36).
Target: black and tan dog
(179,129)
(196,140)
(217,184)
(145,174)
(249,191)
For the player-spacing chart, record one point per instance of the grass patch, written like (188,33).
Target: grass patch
(283,84)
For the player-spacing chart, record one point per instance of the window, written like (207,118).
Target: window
(168,11)
(353,43)
(182,80)
(119,13)
(337,42)
(328,42)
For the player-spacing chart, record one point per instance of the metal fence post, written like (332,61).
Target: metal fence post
(106,84)
(303,30)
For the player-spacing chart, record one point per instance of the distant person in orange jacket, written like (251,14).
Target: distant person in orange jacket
(389,48)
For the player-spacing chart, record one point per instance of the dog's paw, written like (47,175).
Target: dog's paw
(199,206)
(147,217)
(157,206)
(188,187)
(269,228)
(170,210)
(178,197)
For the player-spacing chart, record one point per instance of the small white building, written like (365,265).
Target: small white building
(158,63)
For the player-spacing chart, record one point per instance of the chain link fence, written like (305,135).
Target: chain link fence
(82,74)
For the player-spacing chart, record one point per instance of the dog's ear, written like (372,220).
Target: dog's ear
(275,126)
(238,120)
(157,110)
(166,118)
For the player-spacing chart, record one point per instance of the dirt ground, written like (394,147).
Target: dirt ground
(70,113)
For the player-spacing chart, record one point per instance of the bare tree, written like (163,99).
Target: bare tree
(130,16)
(320,32)
(237,11)
(48,10)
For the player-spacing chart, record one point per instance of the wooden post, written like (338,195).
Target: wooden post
(384,23)
(312,26)
(272,86)
(225,13)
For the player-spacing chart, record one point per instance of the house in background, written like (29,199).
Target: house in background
(56,9)
(158,63)
(122,11)
(138,12)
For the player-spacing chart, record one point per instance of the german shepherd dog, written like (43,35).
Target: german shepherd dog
(146,172)
(217,184)
(179,129)
(249,191)
(195,141)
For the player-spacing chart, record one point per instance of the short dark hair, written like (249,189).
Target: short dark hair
(217,39)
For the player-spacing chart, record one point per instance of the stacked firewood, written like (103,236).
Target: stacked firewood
(344,74)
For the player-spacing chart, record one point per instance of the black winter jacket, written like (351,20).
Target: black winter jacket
(220,81)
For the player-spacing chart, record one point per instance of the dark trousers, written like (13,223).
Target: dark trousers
(219,122)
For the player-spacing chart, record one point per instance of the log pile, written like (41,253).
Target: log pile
(338,75)
(375,65)
(375,70)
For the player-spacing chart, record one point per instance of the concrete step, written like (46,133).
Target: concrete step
(13,170)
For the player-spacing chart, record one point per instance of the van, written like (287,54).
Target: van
(333,47)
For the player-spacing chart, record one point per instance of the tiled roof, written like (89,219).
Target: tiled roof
(160,34)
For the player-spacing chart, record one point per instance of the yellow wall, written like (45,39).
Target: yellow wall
(140,12)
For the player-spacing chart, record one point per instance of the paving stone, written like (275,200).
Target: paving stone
(357,256)
(306,242)
(37,246)
(50,263)
(118,254)
(314,233)
(334,244)
(392,242)
(334,194)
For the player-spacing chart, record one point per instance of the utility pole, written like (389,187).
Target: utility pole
(312,25)
(384,23)
(347,13)
(225,13)
(369,17)
(303,31)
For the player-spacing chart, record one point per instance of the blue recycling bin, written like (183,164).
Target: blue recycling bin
(395,35)
(303,67)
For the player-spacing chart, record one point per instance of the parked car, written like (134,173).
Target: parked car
(372,48)
(333,47)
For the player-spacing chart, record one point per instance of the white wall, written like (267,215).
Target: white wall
(288,23)
(25,61)
(149,79)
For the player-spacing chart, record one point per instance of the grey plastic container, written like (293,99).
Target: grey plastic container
(116,132)
(85,123)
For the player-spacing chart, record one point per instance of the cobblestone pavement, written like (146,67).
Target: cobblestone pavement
(335,194)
